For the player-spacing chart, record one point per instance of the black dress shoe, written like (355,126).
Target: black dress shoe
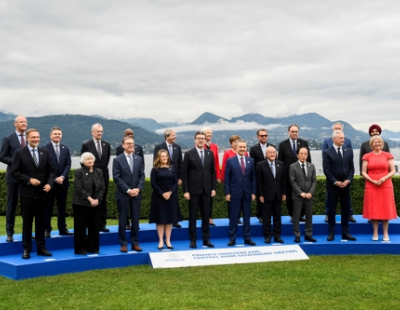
(66,232)
(331,237)
(240,222)
(10,238)
(231,242)
(326,219)
(47,234)
(260,220)
(104,229)
(352,219)
(249,242)
(302,219)
(310,238)
(348,237)
(208,244)
(279,240)
(26,255)
(80,252)
(170,247)
(297,239)
(177,225)
(44,252)
(267,240)
(128,227)
(193,244)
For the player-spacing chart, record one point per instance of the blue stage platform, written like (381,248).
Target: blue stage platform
(65,261)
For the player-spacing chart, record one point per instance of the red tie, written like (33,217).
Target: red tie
(242,165)
(23,144)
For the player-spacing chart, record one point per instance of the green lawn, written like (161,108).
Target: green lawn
(322,282)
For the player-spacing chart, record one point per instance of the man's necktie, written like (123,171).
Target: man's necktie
(294,148)
(131,162)
(57,152)
(242,165)
(263,149)
(34,157)
(273,169)
(340,154)
(304,170)
(202,158)
(23,144)
(170,151)
(99,149)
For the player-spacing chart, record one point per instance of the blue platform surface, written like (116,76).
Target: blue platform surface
(65,261)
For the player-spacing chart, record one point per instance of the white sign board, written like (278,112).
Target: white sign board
(173,259)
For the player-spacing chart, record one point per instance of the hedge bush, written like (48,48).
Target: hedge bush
(220,206)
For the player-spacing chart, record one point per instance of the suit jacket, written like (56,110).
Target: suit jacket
(9,145)
(196,178)
(328,142)
(88,184)
(101,163)
(125,179)
(176,160)
(336,169)
(365,148)
(23,169)
(63,167)
(267,185)
(285,153)
(138,151)
(236,184)
(300,183)
(257,154)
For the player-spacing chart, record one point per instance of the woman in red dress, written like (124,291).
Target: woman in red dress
(379,205)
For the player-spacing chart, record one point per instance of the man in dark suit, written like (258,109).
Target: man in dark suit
(128,175)
(302,177)
(61,160)
(271,184)
(287,154)
(33,169)
(328,142)
(257,152)
(339,171)
(101,150)
(138,151)
(174,153)
(199,182)
(240,190)
(9,145)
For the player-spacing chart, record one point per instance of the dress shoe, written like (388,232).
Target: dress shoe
(124,249)
(310,238)
(326,219)
(279,240)
(136,248)
(260,220)
(249,242)
(302,219)
(352,219)
(374,238)
(128,227)
(10,238)
(385,239)
(104,229)
(193,244)
(169,247)
(47,234)
(240,222)
(44,252)
(26,255)
(177,225)
(208,244)
(93,252)
(80,252)
(297,239)
(331,237)
(231,242)
(66,232)
(348,237)
(160,247)
(267,240)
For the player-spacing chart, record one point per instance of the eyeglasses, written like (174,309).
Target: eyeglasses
(128,143)
(200,139)
(263,136)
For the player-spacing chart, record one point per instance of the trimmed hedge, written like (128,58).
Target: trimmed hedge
(220,206)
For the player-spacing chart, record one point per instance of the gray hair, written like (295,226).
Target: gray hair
(205,129)
(336,133)
(167,132)
(95,125)
(87,155)
(338,123)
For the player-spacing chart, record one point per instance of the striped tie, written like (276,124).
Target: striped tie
(34,157)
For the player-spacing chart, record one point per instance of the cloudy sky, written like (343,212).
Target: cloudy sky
(173,60)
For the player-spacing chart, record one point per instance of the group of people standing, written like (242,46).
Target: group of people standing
(39,176)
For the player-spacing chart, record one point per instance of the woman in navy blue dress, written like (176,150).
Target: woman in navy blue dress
(164,210)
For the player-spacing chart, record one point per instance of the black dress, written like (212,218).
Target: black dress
(164,211)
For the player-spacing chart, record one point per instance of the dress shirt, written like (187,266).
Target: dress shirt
(305,166)
(36,153)
(244,159)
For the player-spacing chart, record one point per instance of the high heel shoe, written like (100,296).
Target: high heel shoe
(374,238)
(386,239)
(169,247)
(160,247)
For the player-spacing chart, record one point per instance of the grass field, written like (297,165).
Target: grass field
(322,282)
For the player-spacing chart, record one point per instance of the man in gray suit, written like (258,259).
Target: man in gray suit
(303,180)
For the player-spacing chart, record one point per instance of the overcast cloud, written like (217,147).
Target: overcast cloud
(173,60)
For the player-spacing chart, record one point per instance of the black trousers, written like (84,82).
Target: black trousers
(103,205)
(86,218)
(58,193)
(12,200)
(203,203)
(33,208)
(267,208)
